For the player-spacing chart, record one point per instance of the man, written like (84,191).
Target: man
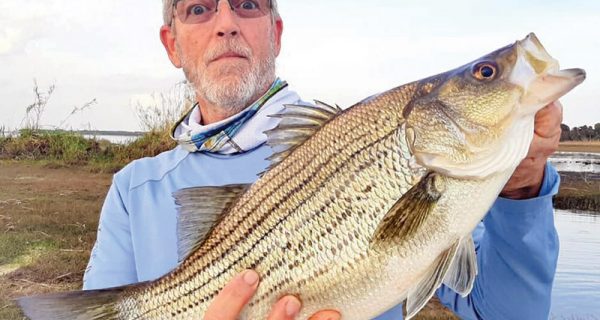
(227,50)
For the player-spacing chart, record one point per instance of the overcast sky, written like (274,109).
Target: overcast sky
(335,51)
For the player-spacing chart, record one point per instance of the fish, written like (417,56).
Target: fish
(361,209)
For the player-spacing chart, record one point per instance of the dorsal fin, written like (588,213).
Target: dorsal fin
(298,123)
(200,209)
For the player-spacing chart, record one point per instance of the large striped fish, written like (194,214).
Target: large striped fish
(362,209)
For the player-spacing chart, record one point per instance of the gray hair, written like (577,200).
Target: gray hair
(168,11)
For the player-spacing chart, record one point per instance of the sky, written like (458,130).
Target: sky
(335,51)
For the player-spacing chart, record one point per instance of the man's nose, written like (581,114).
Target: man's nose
(226,20)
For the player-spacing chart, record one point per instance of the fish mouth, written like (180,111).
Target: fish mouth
(537,56)
(539,75)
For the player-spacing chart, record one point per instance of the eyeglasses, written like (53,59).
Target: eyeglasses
(200,11)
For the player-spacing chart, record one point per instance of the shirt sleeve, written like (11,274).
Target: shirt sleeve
(112,260)
(517,251)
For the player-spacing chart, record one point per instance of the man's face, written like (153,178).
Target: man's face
(229,60)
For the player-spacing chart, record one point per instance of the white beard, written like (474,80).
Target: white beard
(231,87)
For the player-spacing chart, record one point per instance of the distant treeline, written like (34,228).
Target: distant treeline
(583,133)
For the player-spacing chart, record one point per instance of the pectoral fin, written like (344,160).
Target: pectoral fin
(410,211)
(201,208)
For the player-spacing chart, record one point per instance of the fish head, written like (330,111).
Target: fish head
(478,119)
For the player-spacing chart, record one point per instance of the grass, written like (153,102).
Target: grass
(579,191)
(580,146)
(64,149)
(48,222)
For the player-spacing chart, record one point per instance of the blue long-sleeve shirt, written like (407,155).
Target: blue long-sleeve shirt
(517,245)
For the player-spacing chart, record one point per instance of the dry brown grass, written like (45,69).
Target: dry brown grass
(579,191)
(580,146)
(48,221)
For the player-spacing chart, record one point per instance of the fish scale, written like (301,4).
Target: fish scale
(361,209)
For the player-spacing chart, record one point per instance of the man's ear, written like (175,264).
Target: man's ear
(278,31)
(167,37)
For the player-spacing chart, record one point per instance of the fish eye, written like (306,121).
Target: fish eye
(485,71)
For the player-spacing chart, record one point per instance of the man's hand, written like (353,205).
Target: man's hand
(526,181)
(228,304)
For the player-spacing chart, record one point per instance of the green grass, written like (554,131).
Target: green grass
(64,149)
(21,248)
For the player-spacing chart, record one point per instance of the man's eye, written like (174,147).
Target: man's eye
(249,5)
(197,10)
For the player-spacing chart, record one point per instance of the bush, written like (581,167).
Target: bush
(148,145)
(69,147)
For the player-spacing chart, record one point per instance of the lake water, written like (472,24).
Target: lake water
(576,293)
(576,162)
(112,138)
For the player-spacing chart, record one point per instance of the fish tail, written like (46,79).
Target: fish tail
(78,305)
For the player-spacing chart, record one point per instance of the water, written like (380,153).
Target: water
(576,292)
(112,138)
(576,162)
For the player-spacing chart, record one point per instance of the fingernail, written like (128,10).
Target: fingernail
(250,277)
(292,307)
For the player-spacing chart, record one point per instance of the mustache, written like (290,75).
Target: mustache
(229,46)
